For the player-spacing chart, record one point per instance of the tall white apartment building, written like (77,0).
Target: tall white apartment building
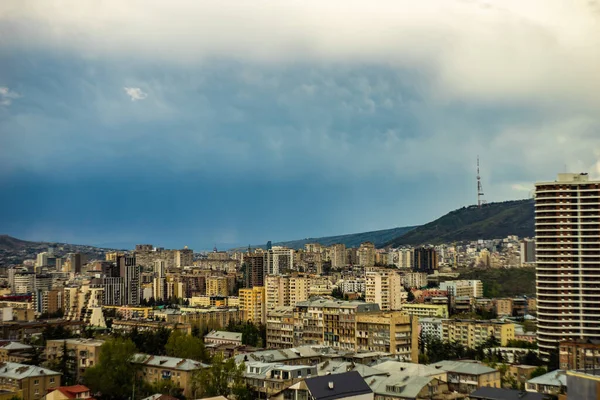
(431,327)
(567,227)
(384,287)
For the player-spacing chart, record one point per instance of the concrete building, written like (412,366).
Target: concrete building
(366,254)
(527,251)
(426,310)
(356,285)
(283,291)
(184,257)
(254,270)
(216,286)
(388,332)
(551,383)
(472,333)
(425,259)
(253,304)
(414,280)
(466,377)
(504,307)
(567,247)
(579,354)
(86,353)
(279,260)
(154,369)
(337,255)
(223,337)
(431,327)
(384,287)
(280,328)
(30,381)
(471,288)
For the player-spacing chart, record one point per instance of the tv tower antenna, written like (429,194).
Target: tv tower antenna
(480,200)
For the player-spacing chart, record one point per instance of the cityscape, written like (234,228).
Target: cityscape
(308,200)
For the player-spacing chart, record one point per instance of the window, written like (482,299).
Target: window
(51,380)
(37,391)
(36,382)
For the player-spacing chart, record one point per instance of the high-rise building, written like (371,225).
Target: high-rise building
(567,228)
(254,270)
(130,272)
(282,291)
(252,302)
(527,251)
(184,257)
(425,260)
(366,254)
(337,254)
(279,260)
(384,288)
(216,286)
(73,263)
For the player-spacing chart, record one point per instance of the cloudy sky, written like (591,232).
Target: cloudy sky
(194,122)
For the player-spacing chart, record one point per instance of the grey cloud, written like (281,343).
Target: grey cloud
(7,96)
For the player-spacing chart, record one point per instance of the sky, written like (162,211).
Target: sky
(203,123)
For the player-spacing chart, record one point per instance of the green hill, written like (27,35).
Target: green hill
(350,240)
(492,221)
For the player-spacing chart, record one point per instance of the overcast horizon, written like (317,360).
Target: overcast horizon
(206,123)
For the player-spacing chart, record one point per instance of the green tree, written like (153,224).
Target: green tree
(411,297)
(114,375)
(539,371)
(222,378)
(66,366)
(186,346)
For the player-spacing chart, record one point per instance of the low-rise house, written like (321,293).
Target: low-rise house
(346,386)
(400,386)
(223,337)
(521,373)
(329,367)
(268,379)
(161,368)
(410,369)
(69,392)
(85,352)
(466,376)
(511,355)
(554,382)
(301,355)
(33,381)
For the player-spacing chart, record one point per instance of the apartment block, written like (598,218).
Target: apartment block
(414,280)
(472,333)
(388,332)
(179,371)
(30,381)
(471,288)
(426,310)
(216,286)
(280,328)
(337,255)
(384,287)
(283,291)
(579,355)
(431,327)
(567,212)
(86,353)
(253,304)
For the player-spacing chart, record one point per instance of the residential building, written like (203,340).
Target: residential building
(552,383)
(425,259)
(583,384)
(472,333)
(221,337)
(33,382)
(86,353)
(579,354)
(337,255)
(285,290)
(366,254)
(130,271)
(254,270)
(504,307)
(431,327)
(471,288)
(492,393)
(179,371)
(384,287)
(466,377)
(344,386)
(253,303)
(355,285)
(216,286)
(388,332)
(567,245)
(280,328)
(184,257)
(527,251)
(269,379)
(15,352)
(414,280)
(279,260)
(426,310)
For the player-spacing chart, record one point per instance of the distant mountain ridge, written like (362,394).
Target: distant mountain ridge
(491,221)
(350,240)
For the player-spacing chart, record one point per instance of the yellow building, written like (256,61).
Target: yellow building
(471,333)
(391,332)
(33,382)
(504,307)
(426,310)
(131,312)
(113,255)
(384,287)
(284,291)
(216,286)
(253,303)
(280,328)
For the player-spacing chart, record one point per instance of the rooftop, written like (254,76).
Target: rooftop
(180,364)
(462,367)
(20,371)
(337,386)
(490,393)
(224,335)
(553,378)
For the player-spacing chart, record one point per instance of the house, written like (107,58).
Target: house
(160,368)
(69,392)
(490,393)
(553,382)
(15,352)
(397,385)
(269,379)
(33,381)
(345,386)
(521,373)
(223,337)
(467,376)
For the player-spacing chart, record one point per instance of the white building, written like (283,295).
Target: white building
(384,287)
(471,288)
(431,327)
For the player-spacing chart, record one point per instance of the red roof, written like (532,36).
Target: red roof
(71,391)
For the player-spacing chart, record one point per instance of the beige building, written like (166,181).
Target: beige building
(283,291)
(337,255)
(33,382)
(567,244)
(280,328)
(253,304)
(388,332)
(384,287)
(471,333)
(366,254)
(155,369)
(471,288)
(216,286)
(85,351)
(504,307)
(467,376)
(426,310)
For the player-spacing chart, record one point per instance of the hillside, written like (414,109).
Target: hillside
(503,282)
(11,243)
(350,240)
(494,220)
